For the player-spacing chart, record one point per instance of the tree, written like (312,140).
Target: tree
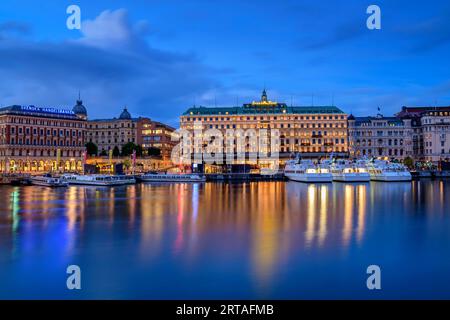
(91,148)
(152,151)
(127,164)
(103,153)
(127,149)
(116,152)
(409,162)
(138,151)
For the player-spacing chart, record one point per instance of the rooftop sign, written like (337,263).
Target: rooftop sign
(47,110)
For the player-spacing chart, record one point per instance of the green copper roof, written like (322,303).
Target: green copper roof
(279,108)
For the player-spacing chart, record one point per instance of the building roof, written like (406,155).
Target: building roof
(114,119)
(39,112)
(125,114)
(264,106)
(419,111)
(276,109)
(390,120)
(79,108)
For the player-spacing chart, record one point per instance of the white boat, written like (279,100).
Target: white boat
(99,180)
(164,177)
(306,171)
(381,170)
(348,171)
(47,181)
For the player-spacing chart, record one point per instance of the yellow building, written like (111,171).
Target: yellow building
(313,131)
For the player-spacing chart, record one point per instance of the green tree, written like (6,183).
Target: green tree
(103,153)
(409,162)
(91,148)
(127,149)
(152,151)
(116,152)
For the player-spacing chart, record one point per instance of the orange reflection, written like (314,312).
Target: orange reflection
(348,214)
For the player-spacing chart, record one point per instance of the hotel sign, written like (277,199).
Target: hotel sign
(47,110)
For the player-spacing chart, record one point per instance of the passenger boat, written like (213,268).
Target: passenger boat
(306,171)
(382,170)
(47,181)
(99,180)
(348,171)
(165,177)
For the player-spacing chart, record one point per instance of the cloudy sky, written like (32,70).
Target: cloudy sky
(159,57)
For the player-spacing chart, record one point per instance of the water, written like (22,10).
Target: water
(252,240)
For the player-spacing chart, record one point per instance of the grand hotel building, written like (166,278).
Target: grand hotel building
(36,139)
(315,131)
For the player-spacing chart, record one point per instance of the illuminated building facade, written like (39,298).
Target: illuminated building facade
(37,139)
(116,132)
(314,131)
(431,132)
(110,133)
(153,134)
(381,137)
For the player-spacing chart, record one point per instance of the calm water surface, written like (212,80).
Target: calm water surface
(253,240)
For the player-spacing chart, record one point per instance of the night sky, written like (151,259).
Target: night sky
(161,57)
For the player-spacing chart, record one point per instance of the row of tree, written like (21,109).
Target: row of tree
(127,150)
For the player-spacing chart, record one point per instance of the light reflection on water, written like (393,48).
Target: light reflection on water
(250,240)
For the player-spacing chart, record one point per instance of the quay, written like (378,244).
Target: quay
(25,180)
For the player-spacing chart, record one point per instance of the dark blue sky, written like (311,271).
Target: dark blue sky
(161,57)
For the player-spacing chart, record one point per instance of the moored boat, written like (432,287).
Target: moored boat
(166,177)
(306,171)
(47,181)
(98,180)
(382,170)
(347,171)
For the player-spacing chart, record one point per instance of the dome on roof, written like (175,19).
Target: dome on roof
(79,109)
(351,117)
(125,114)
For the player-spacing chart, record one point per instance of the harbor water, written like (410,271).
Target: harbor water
(250,240)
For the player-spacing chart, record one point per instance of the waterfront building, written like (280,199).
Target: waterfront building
(41,139)
(114,132)
(431,132)
(314,131)
(155,135)
(379,136)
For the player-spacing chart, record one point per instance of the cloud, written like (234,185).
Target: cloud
(111,64)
